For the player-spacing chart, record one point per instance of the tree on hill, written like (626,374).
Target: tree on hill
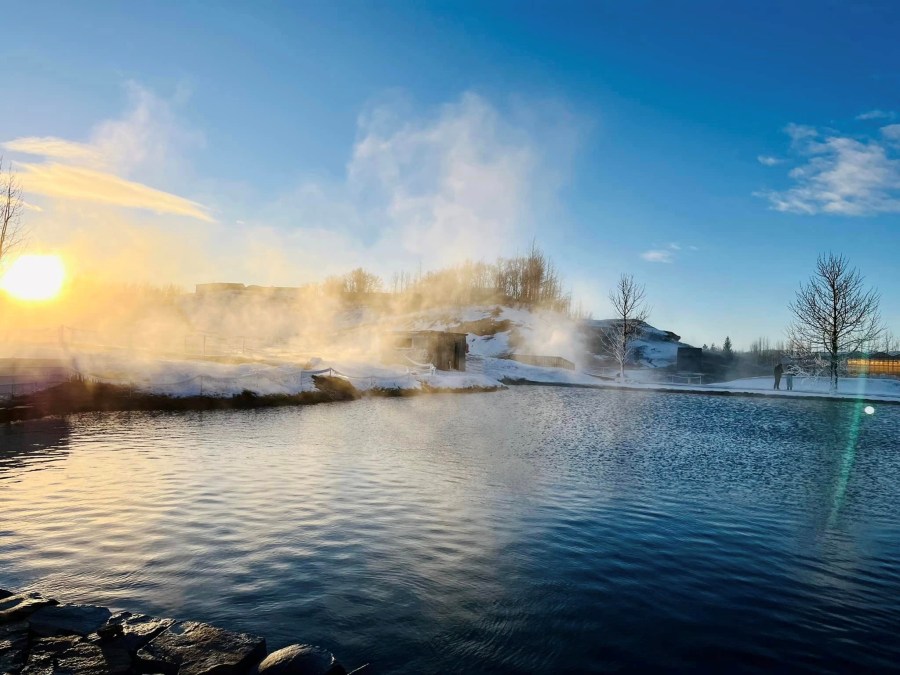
(834,313)
(530,280)
(727,350)
(628,299)
(11,207)
(361,281)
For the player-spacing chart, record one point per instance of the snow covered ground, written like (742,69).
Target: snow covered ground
(499,331)
(189,377)
(848,387)
(192,377)
(655,348)
(493,332)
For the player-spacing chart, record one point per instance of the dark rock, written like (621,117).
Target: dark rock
(336,388)
(5,593)
(13,646)
(301,660)
(19,606)
(68,620)
(131,631)
(192,648)
(110,632)
(118,661)
(73,655)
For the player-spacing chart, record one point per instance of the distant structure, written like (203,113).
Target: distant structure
(689,360)
(876,363)
(446,351)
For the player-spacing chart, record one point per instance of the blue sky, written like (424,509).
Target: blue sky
(711,149)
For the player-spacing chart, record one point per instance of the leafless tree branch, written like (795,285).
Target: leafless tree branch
(834,313)
(628,299)
(11,207)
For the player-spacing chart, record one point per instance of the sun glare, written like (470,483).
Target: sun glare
(34,277)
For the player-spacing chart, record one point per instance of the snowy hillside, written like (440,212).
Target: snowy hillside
(654,348)
(289,348)
(224,343)
(498,331)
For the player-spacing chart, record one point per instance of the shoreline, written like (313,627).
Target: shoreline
(40,634)
(79,396)
(688,389)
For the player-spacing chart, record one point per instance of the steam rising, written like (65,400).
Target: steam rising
(422,190)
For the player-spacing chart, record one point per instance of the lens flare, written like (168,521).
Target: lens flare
(34,278)
(869,410)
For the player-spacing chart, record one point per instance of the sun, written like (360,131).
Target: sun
(34,277)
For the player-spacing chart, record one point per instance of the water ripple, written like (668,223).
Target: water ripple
(524,531)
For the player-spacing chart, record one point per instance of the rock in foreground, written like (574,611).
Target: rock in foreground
(56,620)
(38,636)
(301,660)
(192,648)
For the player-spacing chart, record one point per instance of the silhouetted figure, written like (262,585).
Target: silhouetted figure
(779,369)
(789,380)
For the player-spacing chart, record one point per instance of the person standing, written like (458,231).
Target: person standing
(779,369)
(789,380)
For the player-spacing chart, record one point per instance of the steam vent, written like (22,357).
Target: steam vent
(40,635)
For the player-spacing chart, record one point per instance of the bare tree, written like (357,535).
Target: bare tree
(631,311)
(834,313)
(889,343)
(11,206)
(361,281)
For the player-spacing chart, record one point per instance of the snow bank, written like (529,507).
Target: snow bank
(850,387)
(537,332)
(194,377)
(493,332)
(489,345)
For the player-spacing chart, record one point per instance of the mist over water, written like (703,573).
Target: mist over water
(528,530)
(119,327)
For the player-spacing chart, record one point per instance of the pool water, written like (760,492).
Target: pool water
(531,530)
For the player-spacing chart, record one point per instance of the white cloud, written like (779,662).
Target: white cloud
(877,115)
(838,174)
(891,132)
(800,133)
(658,256)
(54,148)
(83,184)
(430,187)
(768,160)
(109,169)
(667,253)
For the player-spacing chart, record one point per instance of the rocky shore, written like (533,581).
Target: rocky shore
(40,636)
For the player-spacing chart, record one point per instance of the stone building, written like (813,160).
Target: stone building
(444,350)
